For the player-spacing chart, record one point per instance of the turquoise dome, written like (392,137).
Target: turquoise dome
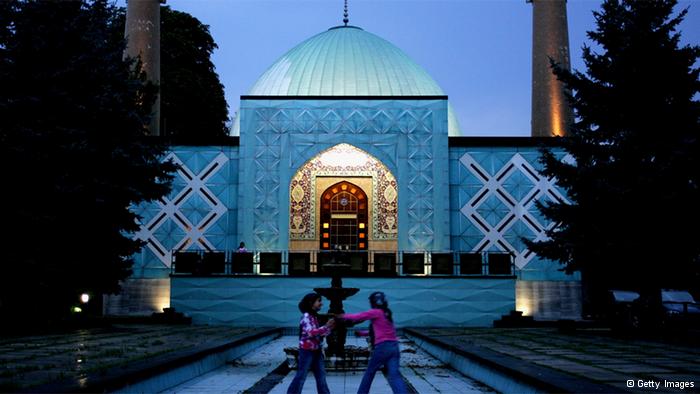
(348,61)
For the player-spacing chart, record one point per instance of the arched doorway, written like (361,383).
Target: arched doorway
(343,217)
(318,176)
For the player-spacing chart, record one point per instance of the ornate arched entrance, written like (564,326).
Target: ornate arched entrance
(375,188)
(343,217)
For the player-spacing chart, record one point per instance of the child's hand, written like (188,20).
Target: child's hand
(331,323)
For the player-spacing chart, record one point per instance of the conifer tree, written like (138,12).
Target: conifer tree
(632,171)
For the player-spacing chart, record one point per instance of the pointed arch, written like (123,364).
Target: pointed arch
(343,208)
(343,160)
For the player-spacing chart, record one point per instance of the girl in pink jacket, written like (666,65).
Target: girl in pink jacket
(385,342)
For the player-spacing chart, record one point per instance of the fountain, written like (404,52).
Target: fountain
(336,294)
(338,355)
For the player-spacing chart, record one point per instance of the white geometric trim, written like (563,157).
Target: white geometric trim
(519,209)
(170,210)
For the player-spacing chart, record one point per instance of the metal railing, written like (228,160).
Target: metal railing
(375,263)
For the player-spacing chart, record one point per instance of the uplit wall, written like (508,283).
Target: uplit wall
(272,301)
(494,184)
(409,136)
(199,213)
(493,191)
(481,198)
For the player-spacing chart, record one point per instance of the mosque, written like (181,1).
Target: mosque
(346,148)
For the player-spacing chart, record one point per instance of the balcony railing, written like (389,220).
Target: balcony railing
(361,263)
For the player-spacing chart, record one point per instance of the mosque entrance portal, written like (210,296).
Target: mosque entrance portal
(343,217)
(343,199)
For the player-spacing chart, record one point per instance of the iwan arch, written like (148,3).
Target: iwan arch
(343,199)
(346,143)
(422,180)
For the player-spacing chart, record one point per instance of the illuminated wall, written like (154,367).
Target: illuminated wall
(343,162)
(490,188)
(199,213)
(272,301)
(408,136)
(494,184)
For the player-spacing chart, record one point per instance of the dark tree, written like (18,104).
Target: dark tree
(634,180)
(192,100)
(73,152)
(193,104)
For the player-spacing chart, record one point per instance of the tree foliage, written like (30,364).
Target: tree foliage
(192,100)
(73,152)
(192,104)
(633,176)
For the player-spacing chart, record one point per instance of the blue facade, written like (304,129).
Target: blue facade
(451,195)
(484,195)
(272,301)
(408,136)
(200,212)
(493,191)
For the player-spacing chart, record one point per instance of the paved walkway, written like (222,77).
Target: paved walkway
(426,374)
(560,361)
(590,355)
(36,361)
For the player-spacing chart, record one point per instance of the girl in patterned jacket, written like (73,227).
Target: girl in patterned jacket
(310,345)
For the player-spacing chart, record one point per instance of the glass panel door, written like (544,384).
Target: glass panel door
(343,218)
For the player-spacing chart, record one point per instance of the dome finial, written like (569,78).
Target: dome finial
(345,14)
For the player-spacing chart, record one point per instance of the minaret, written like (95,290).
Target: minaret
(143,38)
(551,114)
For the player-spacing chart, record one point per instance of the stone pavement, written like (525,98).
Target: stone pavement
(61,361)
(426,374)
(589,355)
(581,361)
